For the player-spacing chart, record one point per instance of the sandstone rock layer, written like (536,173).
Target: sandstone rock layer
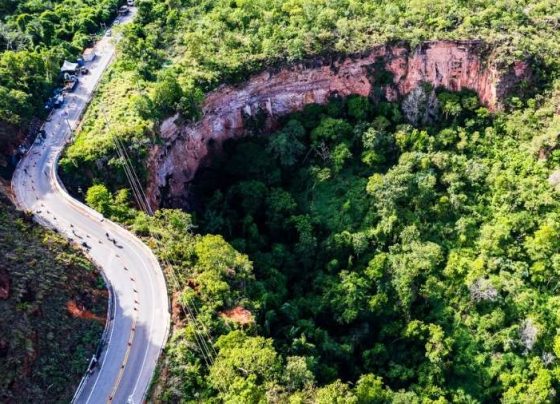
(395,70)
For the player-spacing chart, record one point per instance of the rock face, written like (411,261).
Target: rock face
(390,71)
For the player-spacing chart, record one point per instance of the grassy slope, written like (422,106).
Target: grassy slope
(43,349)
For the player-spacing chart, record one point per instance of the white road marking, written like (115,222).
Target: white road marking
(116,298)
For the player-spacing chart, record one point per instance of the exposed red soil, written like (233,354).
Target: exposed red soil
(238,315)
(177,315)
(79,311)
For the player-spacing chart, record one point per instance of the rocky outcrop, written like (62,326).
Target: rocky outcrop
(390,71)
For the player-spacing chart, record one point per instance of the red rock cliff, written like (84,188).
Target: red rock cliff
(453,65)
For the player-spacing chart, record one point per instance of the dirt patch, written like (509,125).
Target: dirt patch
(177,314)
(78,311)
(238,315)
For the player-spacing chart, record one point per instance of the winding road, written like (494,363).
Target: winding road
(138,315)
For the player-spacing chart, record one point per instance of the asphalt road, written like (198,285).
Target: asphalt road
(139,316)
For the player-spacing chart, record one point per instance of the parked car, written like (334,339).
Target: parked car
(70,84)
(88,55)
(49,104)
(123,11)
(130,3)
(58,101)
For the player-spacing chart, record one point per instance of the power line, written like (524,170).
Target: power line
(144,204)
(201,333)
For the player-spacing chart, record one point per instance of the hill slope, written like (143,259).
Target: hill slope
(52,309)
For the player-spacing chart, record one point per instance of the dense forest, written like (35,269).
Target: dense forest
(176,51)
(395,252)
(53,303)
(414,264)
(349,256)
(35,38)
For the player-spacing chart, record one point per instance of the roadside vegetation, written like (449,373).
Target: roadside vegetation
(35,38)
(53,304)
(357,258)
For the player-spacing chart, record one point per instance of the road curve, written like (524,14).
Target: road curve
(138,318)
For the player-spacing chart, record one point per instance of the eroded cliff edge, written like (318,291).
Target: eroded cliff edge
(390,71)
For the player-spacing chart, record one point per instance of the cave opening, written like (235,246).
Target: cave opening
(322,206)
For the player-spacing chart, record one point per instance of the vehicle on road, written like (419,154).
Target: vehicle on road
(58,101)
(92,364)
(49,104)
(88,55)
(123,11)
(70,84)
